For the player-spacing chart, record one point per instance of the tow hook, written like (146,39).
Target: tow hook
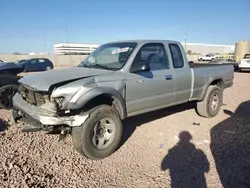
(64,132)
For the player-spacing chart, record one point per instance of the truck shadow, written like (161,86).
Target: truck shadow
(3,125)
(131,123)
(230,147)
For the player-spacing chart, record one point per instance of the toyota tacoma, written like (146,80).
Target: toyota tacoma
(116,81)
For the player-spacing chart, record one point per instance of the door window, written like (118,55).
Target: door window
(154,54)
(33,61)
(41,60)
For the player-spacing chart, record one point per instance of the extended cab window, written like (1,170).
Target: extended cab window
(154,54)
(176,56)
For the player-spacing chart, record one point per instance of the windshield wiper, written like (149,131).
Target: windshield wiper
(97,65)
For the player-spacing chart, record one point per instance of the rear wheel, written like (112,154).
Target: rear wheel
(100,135)
(212,102)
(6,94)
(48,68)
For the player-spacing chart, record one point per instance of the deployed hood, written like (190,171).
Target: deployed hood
(43,80)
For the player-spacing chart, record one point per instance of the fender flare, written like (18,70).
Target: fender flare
(119,101)
(210,81)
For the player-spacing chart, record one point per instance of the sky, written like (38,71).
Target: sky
(34,26)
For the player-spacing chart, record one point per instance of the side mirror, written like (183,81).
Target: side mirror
(140,66)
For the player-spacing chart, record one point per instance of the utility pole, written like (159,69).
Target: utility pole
(44,44)
(67,36)
(185,39)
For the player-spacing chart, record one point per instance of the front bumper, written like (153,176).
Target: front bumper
(42,116)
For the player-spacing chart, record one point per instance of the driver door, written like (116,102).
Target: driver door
(31,65)
(154,89)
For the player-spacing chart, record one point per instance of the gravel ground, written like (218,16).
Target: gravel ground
(172,146)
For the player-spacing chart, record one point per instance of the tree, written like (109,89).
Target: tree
(189,52)
(16,53)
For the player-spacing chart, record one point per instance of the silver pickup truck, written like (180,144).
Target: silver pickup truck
(116,81)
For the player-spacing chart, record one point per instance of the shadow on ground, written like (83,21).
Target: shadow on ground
(230,146)
(3,125)
(187,165)
(243,71)
(131,123)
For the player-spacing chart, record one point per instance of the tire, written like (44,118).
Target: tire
(83,137)
(204,108)
(6,94)
(25,69)
(48,68)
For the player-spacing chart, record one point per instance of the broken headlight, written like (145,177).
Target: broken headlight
(59,101)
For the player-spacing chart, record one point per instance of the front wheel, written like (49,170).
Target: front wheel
(6,94)
(100,135)
(211,104)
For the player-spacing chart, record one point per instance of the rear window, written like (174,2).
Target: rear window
(246,56)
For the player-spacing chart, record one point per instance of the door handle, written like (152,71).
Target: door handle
(139,81)
(168,77)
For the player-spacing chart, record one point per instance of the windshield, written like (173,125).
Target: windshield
(112,56)
(21,62)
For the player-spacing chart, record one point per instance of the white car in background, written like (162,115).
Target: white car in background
(245,62)
(207,57)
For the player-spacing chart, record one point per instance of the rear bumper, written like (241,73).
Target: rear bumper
(22,109)
(244,66)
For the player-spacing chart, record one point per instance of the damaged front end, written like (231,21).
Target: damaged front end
(43,111)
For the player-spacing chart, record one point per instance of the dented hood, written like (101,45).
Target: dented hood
(42,81)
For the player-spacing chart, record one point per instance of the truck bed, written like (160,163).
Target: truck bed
(204,74)
(200,65)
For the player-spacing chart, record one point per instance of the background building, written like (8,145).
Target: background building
(197,48)
(74,48)
(191,48)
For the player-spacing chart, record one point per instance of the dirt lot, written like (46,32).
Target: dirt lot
(218,153)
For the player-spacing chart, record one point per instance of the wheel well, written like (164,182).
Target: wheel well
(108,100)
(219,83)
